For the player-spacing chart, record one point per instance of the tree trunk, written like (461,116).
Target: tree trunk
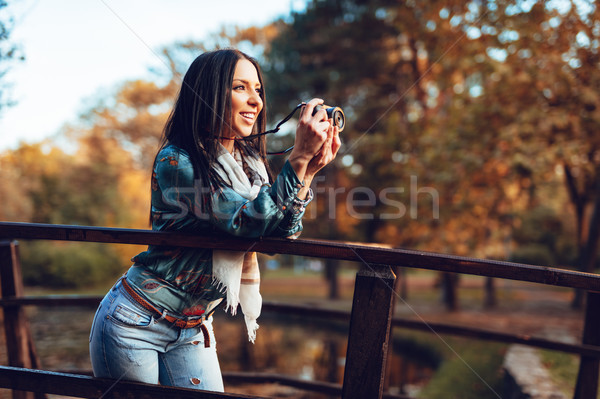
(589,251)
(490,294)
(449,297)
(579,201)
(331,268)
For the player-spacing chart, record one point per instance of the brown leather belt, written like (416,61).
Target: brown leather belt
(181,323)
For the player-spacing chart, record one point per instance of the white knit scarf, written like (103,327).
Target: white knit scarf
(238,272)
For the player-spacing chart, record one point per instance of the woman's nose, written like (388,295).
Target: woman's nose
(255,99)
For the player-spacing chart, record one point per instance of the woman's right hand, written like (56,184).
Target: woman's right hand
(311,133)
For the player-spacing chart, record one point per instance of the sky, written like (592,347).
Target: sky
(76,50)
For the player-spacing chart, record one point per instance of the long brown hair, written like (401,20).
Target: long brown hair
(198,118)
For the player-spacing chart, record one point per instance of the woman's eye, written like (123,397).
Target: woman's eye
(240,87)
(259,91)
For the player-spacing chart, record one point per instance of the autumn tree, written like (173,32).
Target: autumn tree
(104,179)
(549,84)
(134,114)
(521,113)
(373,60)
(473,100)
(43,184)
(134,118)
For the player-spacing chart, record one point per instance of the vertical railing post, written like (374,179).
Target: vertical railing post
(369,333)
(587,378)
(400,274)
(19,346)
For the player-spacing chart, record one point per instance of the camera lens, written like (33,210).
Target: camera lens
(338,119)
(334,113)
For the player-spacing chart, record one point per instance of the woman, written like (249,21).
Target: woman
(210,175)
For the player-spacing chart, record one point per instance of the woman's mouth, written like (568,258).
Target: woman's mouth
(248,116)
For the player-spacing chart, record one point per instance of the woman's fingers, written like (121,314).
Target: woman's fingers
(326,147)
(337,142)
(306,114)
(333,143)
(327,152)
(312,130)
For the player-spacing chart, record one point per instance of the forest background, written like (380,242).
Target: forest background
(472,129)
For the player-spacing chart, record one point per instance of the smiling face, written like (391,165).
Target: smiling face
(246,102)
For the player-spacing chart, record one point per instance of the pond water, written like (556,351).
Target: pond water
(289,345)
(313,350)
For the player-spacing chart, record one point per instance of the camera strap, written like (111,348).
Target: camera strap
(274,130)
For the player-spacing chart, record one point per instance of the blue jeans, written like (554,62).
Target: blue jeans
(127,342)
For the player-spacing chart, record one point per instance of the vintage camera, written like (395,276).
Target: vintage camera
(335,113)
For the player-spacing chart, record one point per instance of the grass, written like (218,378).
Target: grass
(473,370)
(461,368)
(287,285)
(563,368)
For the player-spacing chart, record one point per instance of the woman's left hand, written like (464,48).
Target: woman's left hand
(324,156)
(327,153)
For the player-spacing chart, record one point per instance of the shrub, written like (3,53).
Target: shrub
(68,264)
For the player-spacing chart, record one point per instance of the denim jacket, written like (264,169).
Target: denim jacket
(180,279)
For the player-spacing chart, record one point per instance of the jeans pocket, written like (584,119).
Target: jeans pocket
(131,317)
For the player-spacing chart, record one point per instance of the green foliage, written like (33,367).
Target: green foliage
(533,254)
(475,372)
(66,189)
(68,265)
(542,239)
(417,350)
